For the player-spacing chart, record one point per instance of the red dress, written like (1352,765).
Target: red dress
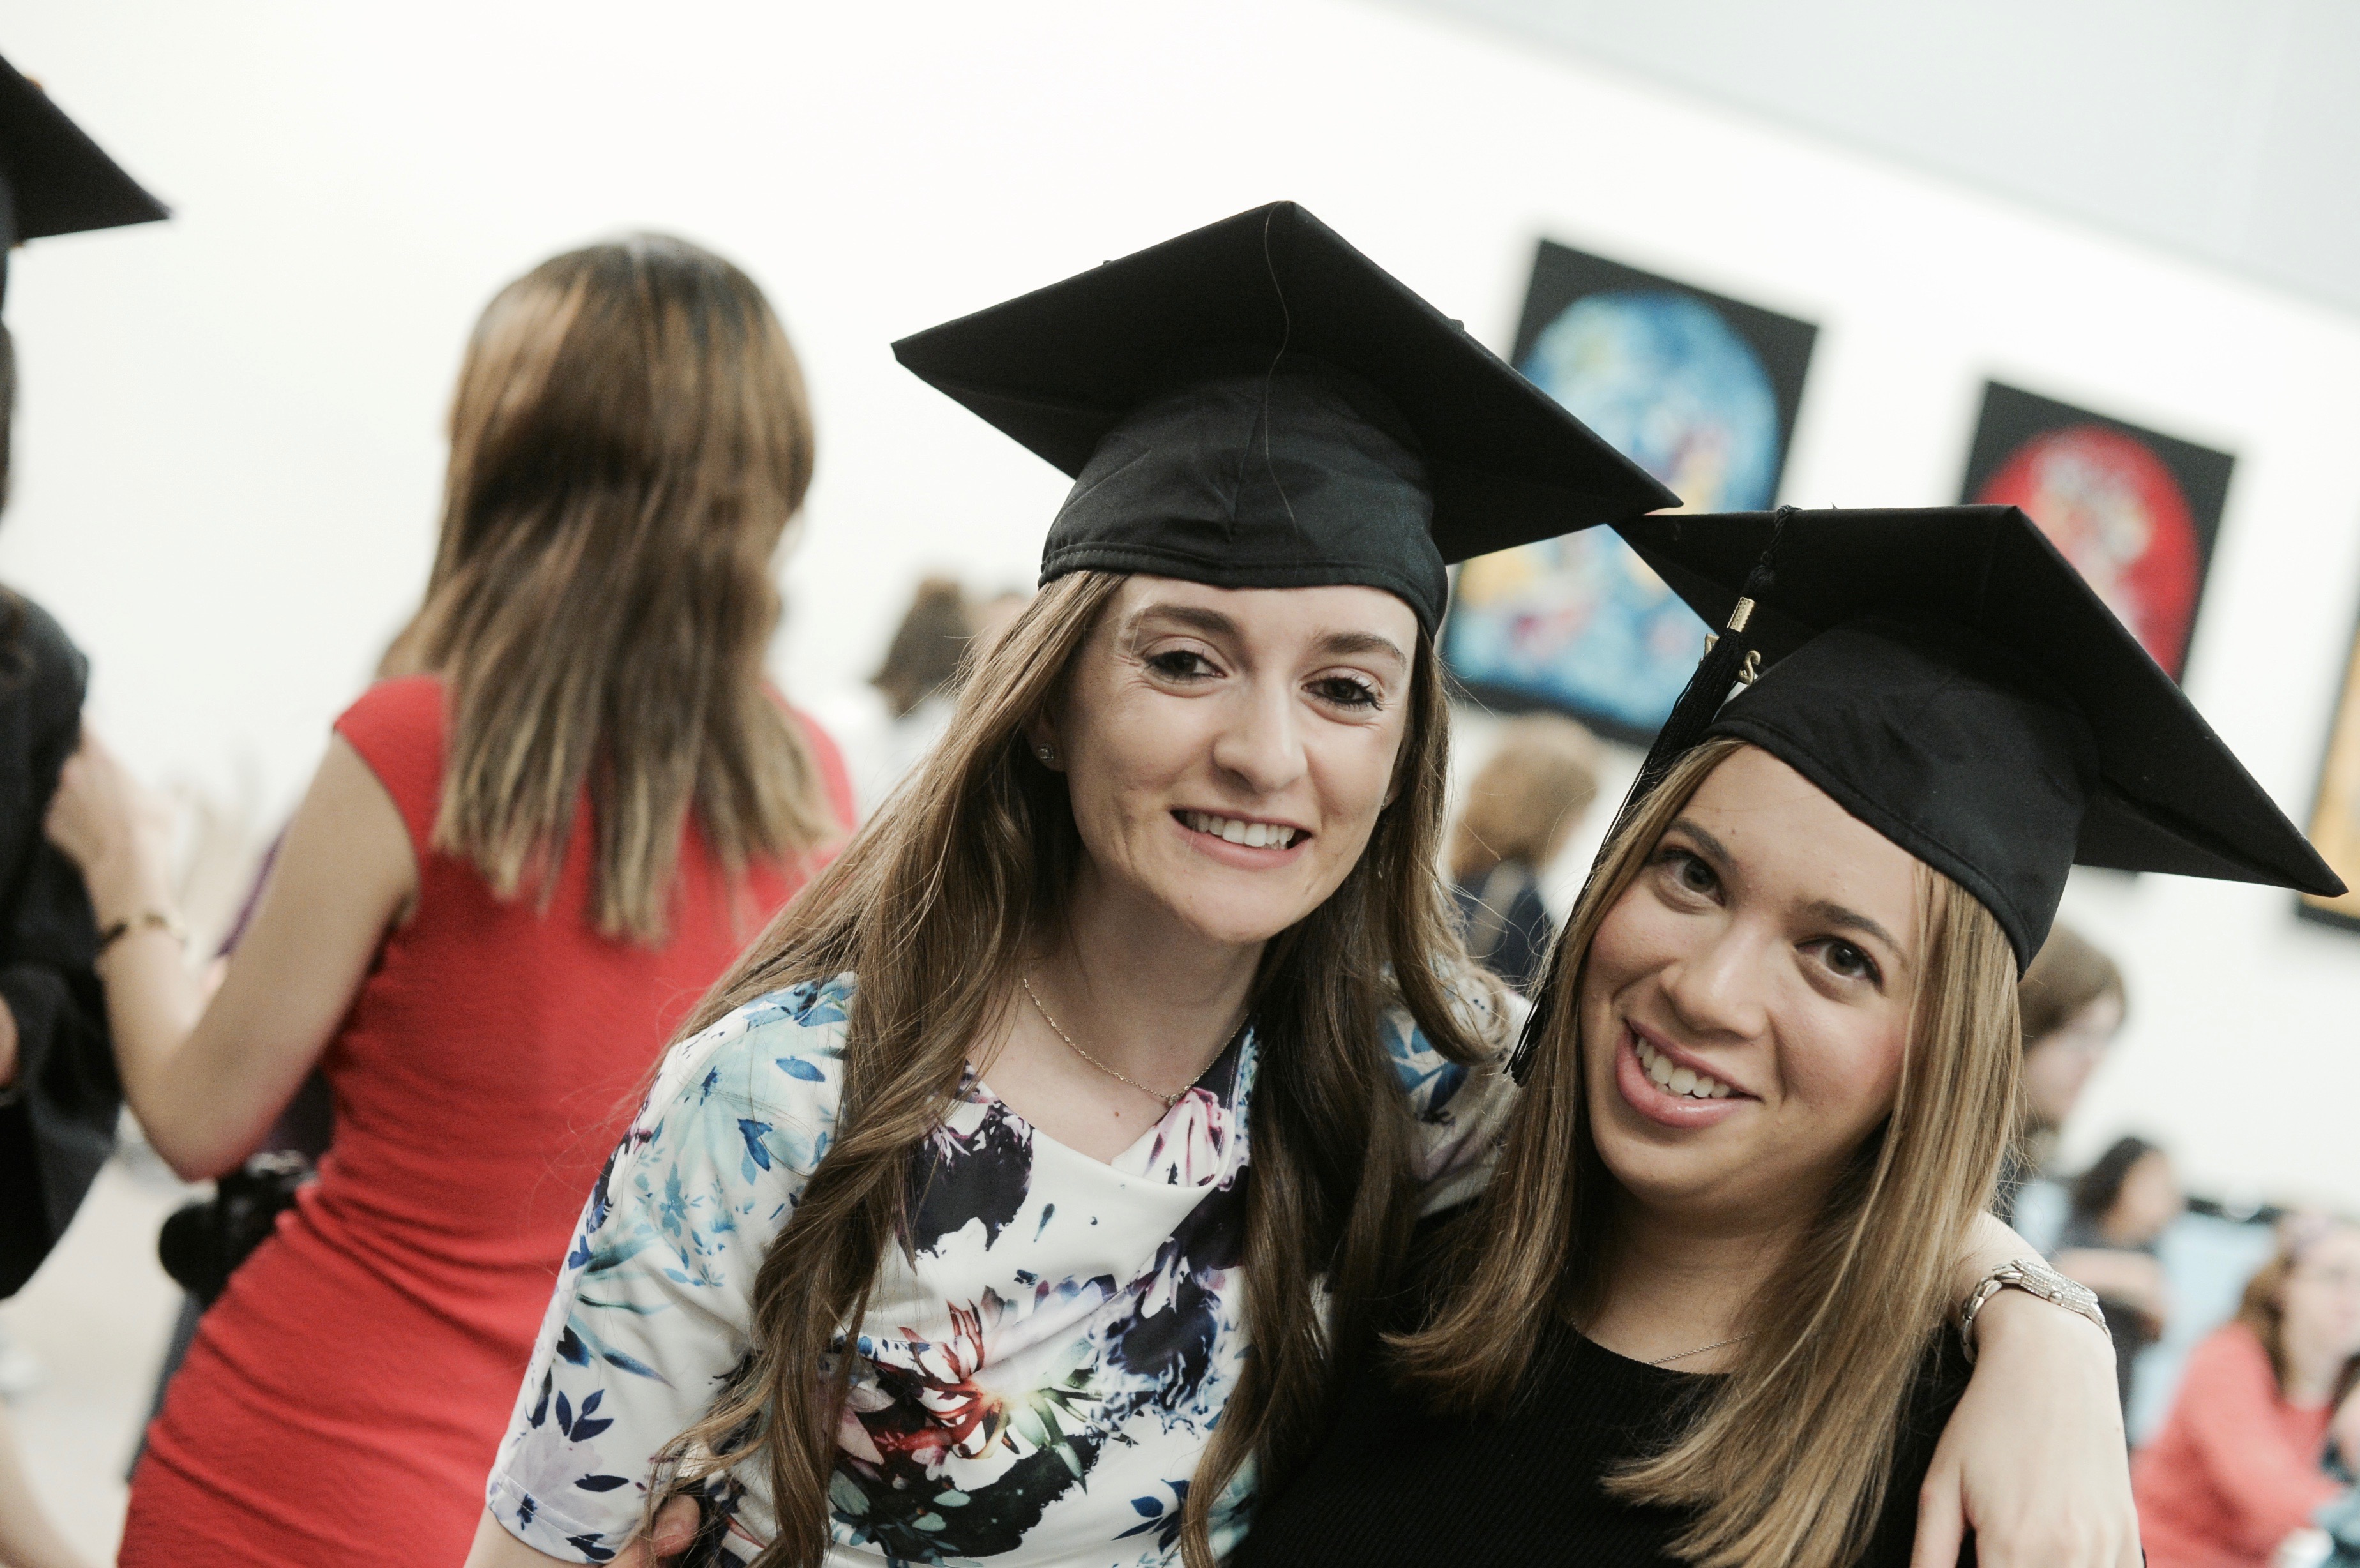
(344,1399)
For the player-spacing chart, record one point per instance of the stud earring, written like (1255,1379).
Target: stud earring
(1047,754)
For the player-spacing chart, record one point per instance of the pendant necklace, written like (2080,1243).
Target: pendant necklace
(1700,1349)
(1071,1044)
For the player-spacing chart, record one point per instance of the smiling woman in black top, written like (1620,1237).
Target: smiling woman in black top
(1699,1314)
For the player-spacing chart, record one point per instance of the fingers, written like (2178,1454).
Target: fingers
(1941,1521)
(676,1526)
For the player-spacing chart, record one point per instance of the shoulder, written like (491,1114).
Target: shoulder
(765,1080)
(1434,1083)
(54,671)
(2231,1352)
(397,727)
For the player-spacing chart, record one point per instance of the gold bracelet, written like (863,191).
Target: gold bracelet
(159,919)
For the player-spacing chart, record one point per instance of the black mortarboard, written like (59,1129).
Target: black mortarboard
(1951,680)
(53,178)
(1258,405)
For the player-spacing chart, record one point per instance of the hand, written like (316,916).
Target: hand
(114,830)
(676,1526)
(2032,1459)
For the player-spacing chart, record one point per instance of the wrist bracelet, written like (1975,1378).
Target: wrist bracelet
(160,920)
(2034,1278)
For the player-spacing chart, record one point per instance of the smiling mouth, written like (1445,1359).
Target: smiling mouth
(1237,830)
(1677,1080)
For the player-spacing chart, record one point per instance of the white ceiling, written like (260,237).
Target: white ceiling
(2226,130)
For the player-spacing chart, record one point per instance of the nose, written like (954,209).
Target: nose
(1260,748)
(1716,991)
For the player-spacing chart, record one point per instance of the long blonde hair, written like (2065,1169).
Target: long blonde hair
(1785,1461)
(932,907)
(628,440)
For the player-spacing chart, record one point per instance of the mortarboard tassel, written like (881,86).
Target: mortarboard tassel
(1728,660)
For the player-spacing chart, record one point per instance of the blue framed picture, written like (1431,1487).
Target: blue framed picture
(1700,391)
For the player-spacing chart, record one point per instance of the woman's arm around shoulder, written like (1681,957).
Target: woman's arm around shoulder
(2033,1460)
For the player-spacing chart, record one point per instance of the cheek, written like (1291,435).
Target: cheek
(1844,1068)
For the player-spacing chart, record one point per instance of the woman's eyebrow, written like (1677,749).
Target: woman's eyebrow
(1345,644)
(1712,848)
(1836,915)
(1195,617)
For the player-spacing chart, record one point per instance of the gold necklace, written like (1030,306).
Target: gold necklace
(1169,1100)
(1700,1349)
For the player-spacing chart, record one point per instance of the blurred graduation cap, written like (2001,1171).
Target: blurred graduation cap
(1256,404)
(53,178)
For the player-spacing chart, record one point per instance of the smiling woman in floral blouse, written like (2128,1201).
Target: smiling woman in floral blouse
(1010,1201)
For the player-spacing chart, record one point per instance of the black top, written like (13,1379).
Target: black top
(1949,679)
(1257,405)
(57,1126)
(1397,1487)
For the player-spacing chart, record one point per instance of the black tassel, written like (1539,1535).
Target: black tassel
(1725,658)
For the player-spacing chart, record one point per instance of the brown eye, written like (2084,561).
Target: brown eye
(1345,692)
(1851,962)
(1690,873)
(1180,664)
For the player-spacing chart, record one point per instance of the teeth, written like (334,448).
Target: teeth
(1685,1081)
(1253,835)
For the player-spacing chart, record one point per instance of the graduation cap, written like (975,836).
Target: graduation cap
(1949,679)
(53,178)
(1258,405)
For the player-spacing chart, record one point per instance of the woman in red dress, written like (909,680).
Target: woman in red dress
(516,869)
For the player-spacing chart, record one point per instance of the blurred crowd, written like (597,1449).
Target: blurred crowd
(629,445)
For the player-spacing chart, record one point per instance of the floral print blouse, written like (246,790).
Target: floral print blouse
(1034,1383)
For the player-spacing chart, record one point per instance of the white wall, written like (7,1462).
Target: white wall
(228,456)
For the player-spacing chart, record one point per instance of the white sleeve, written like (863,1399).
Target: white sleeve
(1462,1112)
(647,1321)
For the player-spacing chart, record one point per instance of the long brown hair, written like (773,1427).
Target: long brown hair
(2262,1307)
(628,440)
(932,907)
(1785,1461)
(1521,803)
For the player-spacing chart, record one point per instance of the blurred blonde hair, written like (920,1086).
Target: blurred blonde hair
(628,442)
(2068,974)
(2261,1310)
(1526,797)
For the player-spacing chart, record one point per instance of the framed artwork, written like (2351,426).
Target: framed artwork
(1700,391)
(2135,511)
(2335,820)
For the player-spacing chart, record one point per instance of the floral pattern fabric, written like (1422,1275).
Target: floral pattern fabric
(1033,1385)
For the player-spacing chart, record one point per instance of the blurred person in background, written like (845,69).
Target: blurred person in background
(2072,1002)
(2238,1466)
(516,868)
(1521,807)
(894,719)
(920,675)
(2121,1206)
(58,1100)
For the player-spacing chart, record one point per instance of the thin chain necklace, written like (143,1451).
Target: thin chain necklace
(1169,1100)
(1700,1349)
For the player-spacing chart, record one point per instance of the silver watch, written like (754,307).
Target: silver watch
(2035,1278)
